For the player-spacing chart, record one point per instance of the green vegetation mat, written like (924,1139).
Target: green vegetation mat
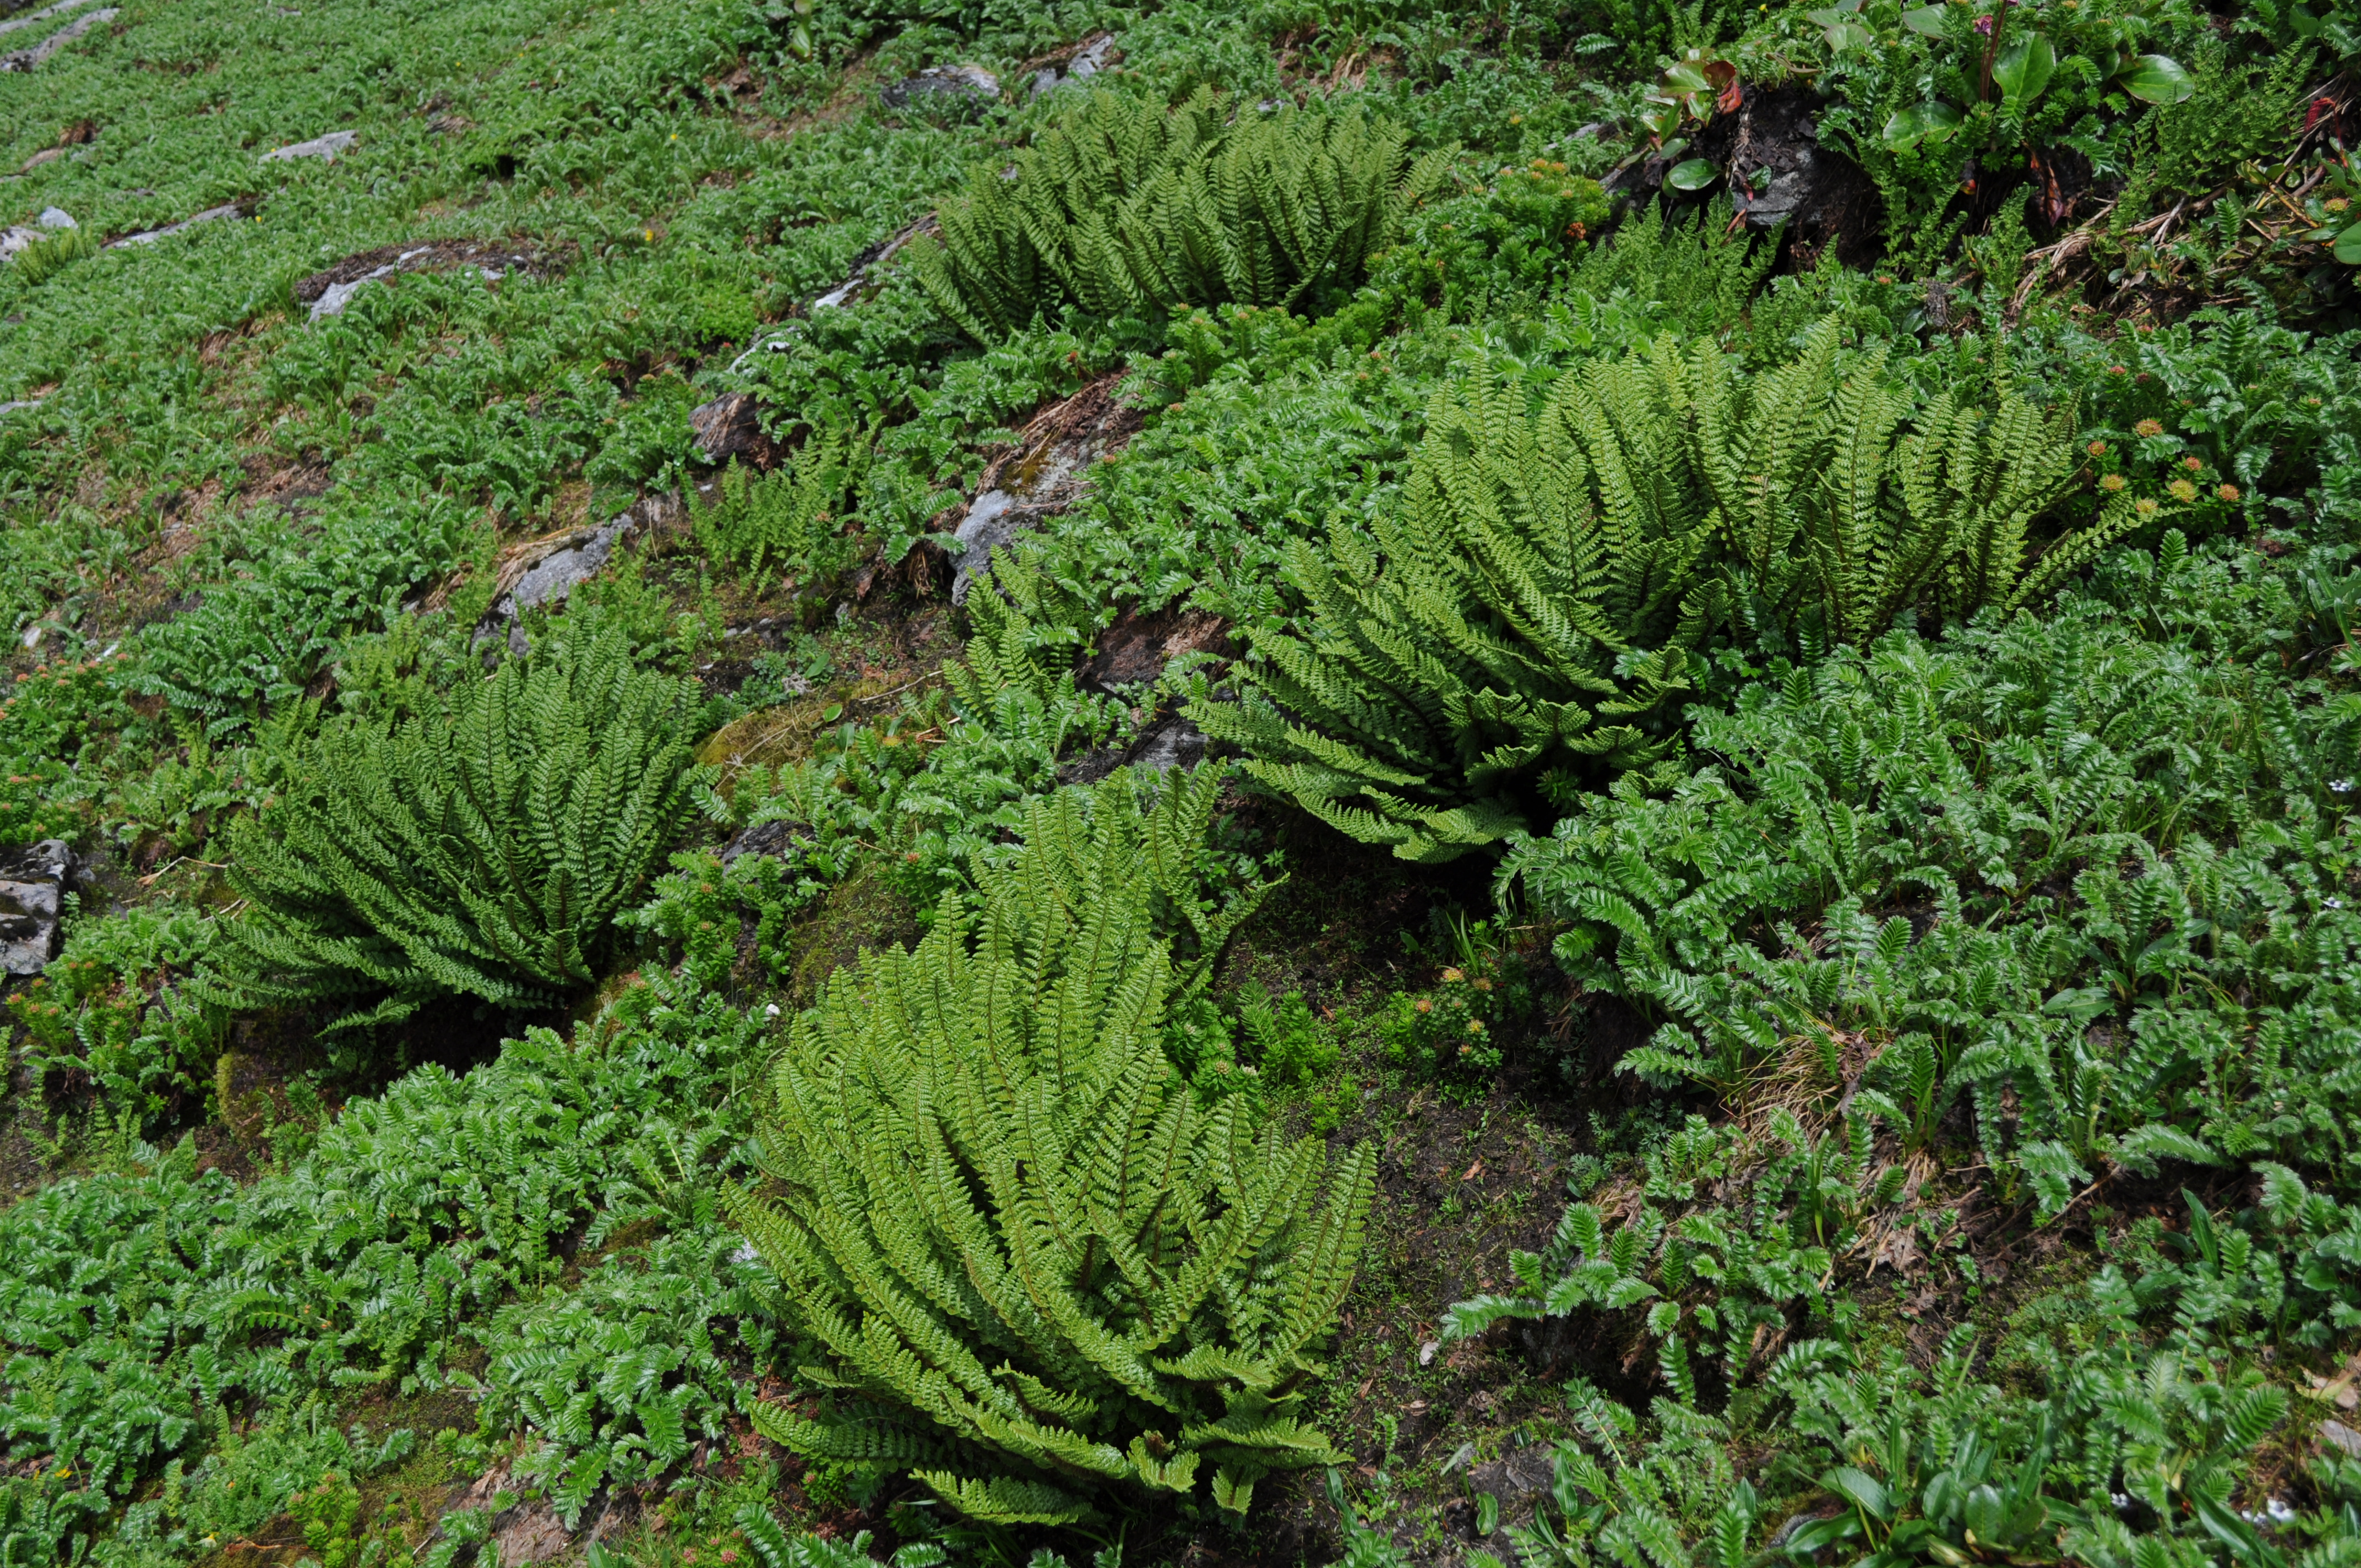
(1539,783)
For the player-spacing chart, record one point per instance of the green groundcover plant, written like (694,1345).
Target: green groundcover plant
(1126,207)
(1034,1269)
(478,849)
(1551,586)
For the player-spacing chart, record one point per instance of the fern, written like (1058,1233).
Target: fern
(480,852)
(1033,1267)
(1126,207)
(783,519)
(1536,606)
(46,258)
(1438,678)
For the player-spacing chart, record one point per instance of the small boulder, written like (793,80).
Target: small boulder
(1171,743)
(149,236)
(730,426)
(33,884)
(547,570)
(771,838)
(1779,174)
(1086,62)
(943,92)
(29,59)
(326,149)
(1042,475)
(1139,648)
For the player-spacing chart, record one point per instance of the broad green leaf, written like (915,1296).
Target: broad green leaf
(1921,122)
(1927,19)
(2158,79)
(2348,246)
(2024,68)
(1692,174)
(1842,29)
(1862,1487)
(1682,78)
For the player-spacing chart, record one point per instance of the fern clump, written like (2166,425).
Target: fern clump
(1478,645)
(789,520)
(1530,616)
(1126,207)
(478,849)
(1036,1268)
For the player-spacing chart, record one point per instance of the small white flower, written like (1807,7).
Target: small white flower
(772,1011)
(2121,1499)
(2332,903)
(2342,786)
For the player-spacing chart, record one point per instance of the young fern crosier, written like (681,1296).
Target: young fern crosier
(480,850)
(1127,206)
(1530,616)
(1036,1268)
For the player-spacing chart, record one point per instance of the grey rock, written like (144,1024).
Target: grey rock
(27,58)
(1781,177)
(1169,743)
(16,237)
(1087,62)
(772,839)
(730,426)
(565,562)
(337,296)
(14,23)
(994,519)
(1091,60)
(56,218)
(149,236)
(864,269)
(1175,743)
(953,90)
(324,147)
(554,575)
(1785,194)
(33,884)
(1042,475)
(2337,1434)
